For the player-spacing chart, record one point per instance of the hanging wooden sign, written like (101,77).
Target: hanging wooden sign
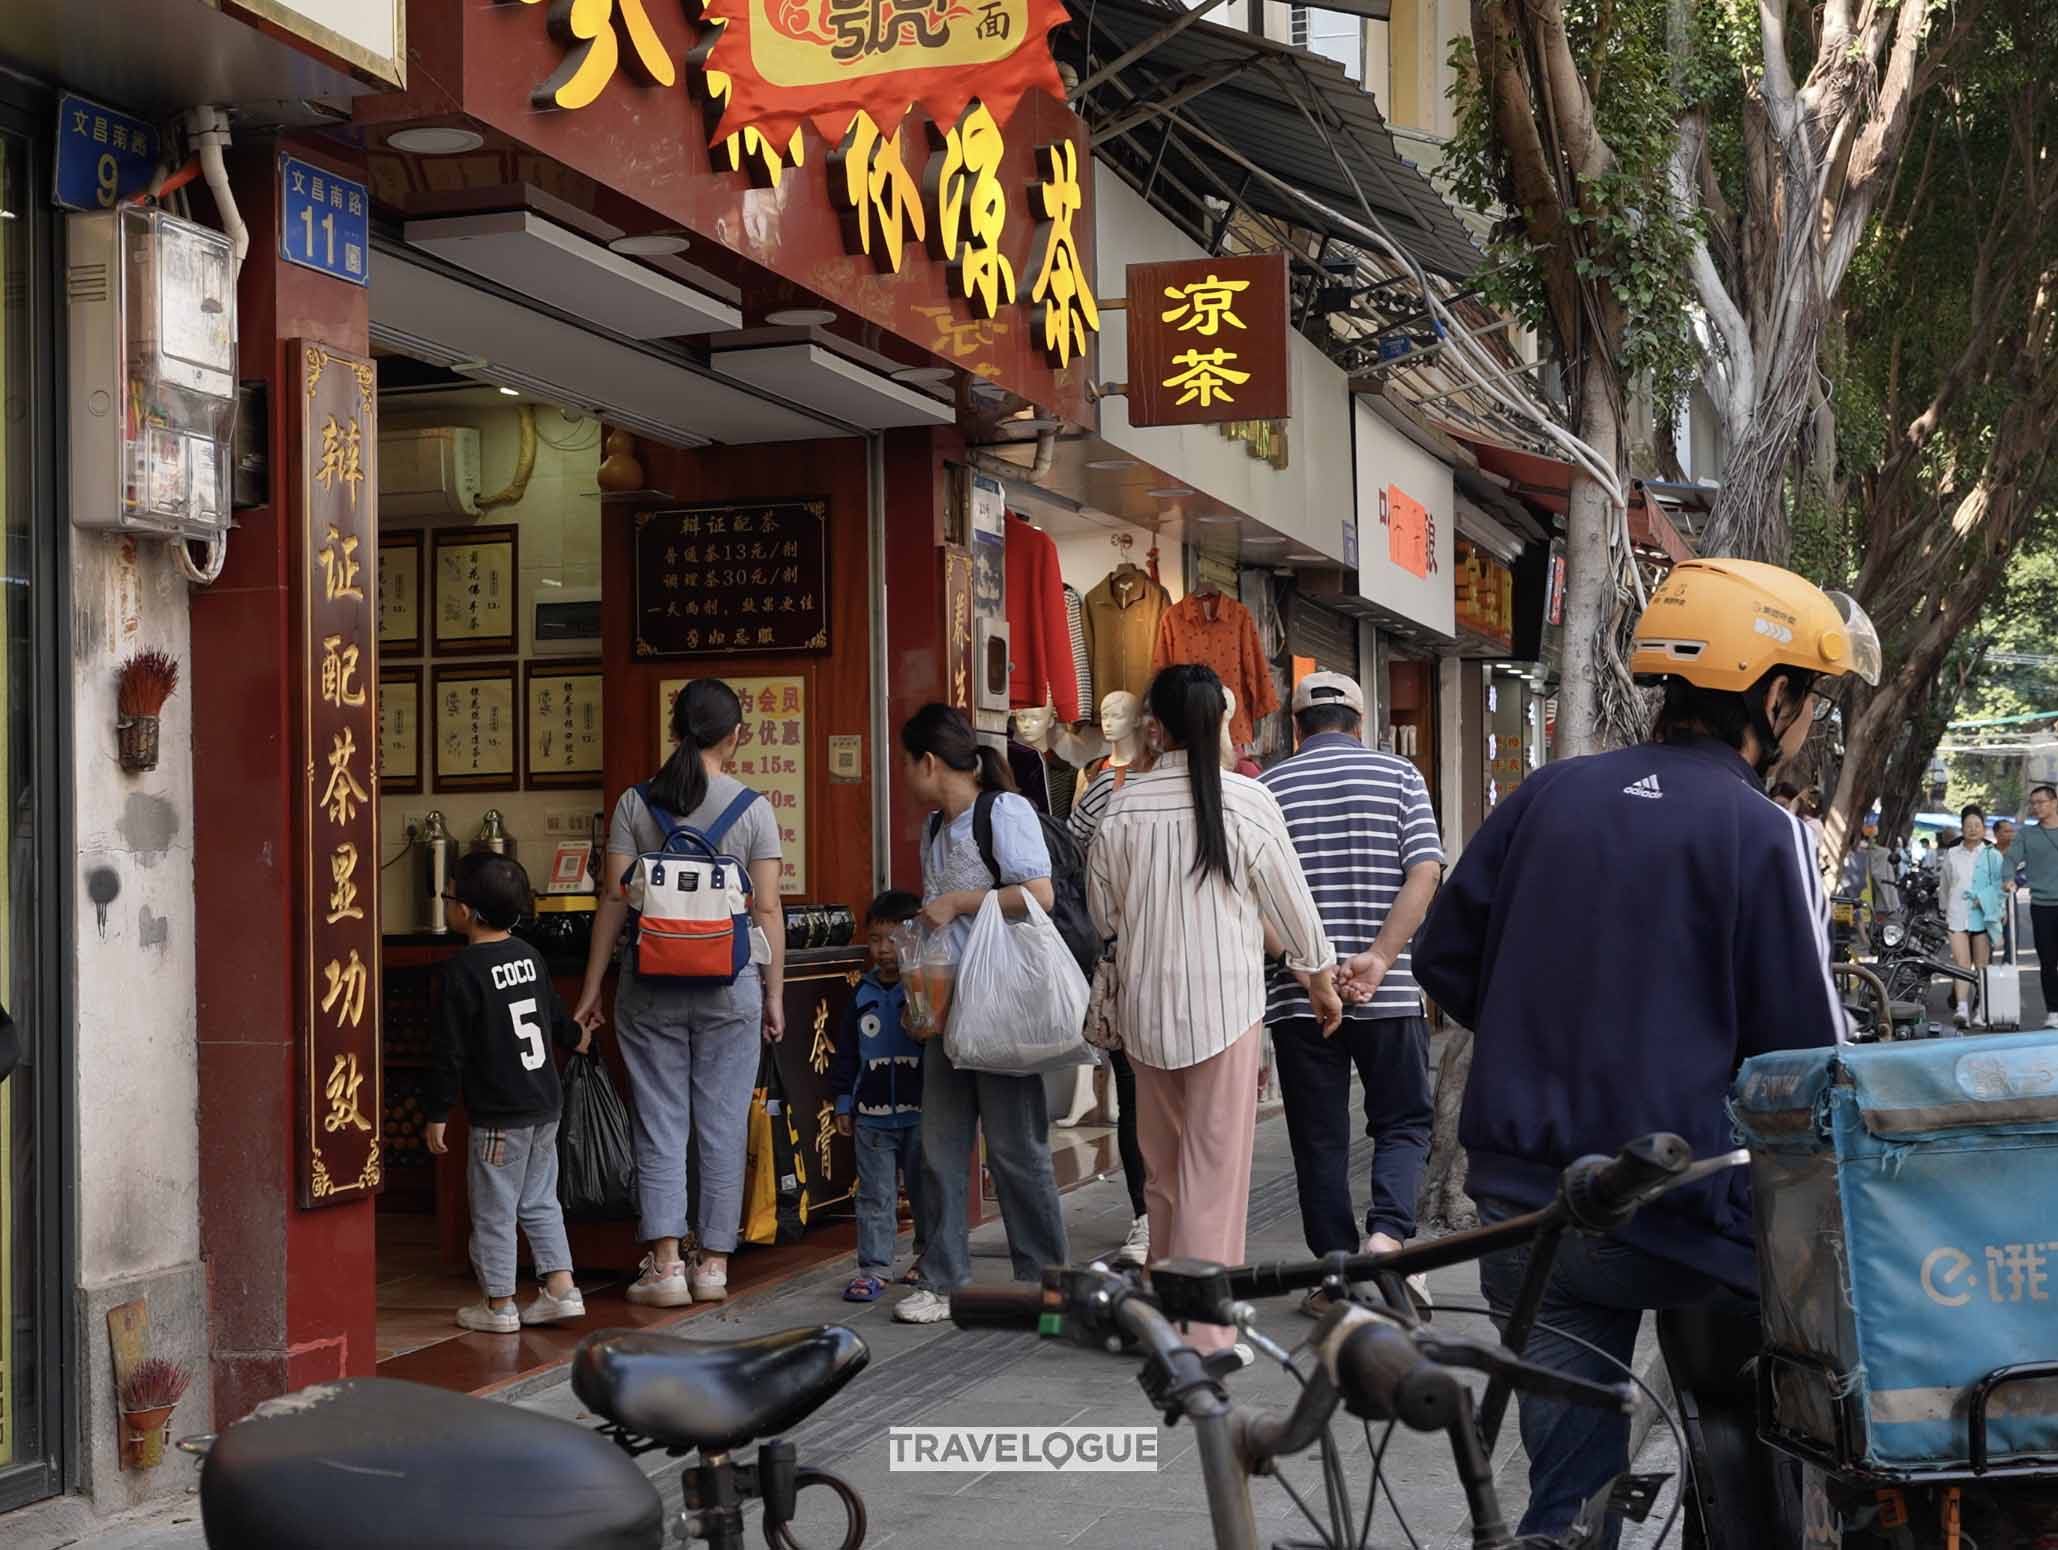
(1208,341)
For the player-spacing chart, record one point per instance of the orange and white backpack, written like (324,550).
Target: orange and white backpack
(690,902)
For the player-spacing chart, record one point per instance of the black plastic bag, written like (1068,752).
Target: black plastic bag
(596,1161)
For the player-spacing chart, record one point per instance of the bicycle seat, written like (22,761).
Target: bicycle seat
(373,1462)
(713,1394)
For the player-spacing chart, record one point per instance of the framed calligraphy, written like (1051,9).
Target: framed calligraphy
(1208,341)
(400,594)
(478,727)
(732,580)
(477,583)
(332,435)
(563,701)
(400,731)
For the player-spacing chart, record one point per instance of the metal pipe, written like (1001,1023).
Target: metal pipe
(1129,57)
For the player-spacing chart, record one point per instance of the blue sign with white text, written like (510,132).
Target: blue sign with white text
(102,156)
(325,222)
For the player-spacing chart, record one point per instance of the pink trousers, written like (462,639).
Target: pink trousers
(1196,1127)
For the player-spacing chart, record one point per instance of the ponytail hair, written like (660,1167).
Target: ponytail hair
(703,716)
(1188,703)
(942,730)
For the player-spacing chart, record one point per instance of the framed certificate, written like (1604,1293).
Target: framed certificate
(478,727)
(477,591)
(401,582)
(400,731)
(562,706)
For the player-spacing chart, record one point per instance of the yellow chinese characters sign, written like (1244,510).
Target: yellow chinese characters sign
(1208,341)
(336,668)
(771,759)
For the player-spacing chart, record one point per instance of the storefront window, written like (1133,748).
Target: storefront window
(1507,733)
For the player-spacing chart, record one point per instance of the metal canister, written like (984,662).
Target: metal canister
(493,835)
(437,855)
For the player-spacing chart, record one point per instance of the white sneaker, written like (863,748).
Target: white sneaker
(655,1288)
(710,1282)
(488,1320)
(1135,1248)
(924,1307)
(1961,1017)
(547,1309)
(2051,1021)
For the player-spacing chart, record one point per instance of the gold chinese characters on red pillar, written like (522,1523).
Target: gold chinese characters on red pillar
(333,432)
(1208,341)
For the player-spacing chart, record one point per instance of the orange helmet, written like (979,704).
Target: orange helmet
(1724,624)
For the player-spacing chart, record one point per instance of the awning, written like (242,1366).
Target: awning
(1547,482)
(1290,112)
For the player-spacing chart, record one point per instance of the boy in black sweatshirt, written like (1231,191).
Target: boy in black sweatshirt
(498,1006)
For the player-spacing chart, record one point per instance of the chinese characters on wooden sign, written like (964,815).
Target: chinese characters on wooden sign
(856,70)
(1410,531)
(771,758)
(339,823)
(1484,589)
(1208,341)
(564,711)
(732,580)
(957,636)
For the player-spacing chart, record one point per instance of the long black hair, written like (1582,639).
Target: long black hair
(939,729)
(1188,703)
(703,716)
(1690,711)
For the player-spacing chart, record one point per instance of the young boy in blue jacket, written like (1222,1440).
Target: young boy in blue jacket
(876,1073)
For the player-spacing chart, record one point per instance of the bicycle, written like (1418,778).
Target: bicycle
(1379,1361)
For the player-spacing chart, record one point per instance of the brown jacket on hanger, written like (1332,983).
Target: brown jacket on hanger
(1121,620)
(1218,632)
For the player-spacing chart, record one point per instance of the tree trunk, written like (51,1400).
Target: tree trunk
(1749,519)
(1443,1201)
(1589,586)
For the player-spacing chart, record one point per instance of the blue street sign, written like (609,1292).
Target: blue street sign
(325,222)
(102,156)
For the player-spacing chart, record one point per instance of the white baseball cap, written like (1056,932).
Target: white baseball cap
(1328,689)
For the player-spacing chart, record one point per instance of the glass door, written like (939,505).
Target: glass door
(32,1265)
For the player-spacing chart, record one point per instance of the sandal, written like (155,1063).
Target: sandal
(913,1277)
(864,1288)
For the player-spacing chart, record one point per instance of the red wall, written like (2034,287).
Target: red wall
(291,1290)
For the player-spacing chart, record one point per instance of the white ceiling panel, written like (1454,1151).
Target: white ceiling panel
(423,311)
(821,379)
(535,257)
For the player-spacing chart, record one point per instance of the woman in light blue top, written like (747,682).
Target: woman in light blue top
(1972,896)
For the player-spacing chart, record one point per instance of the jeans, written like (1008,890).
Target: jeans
(693,1060)
(2043,926)
(1011,1111)
(1125,1128)
(1392,1058)
(1598,1291)
(883,1154)
(511,1175)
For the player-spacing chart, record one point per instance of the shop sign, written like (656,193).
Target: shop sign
(1209,341)
(957,607)
(102,156)
(1264,440)
(367,36)
(732,580)
(856,71)
(336,440)
(1485,595)
(771,758)
(325,222)
(1410,532)
(1554,611)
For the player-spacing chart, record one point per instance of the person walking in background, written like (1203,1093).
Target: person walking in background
(2004,847)
(1365,832)
(1972,898)
(876,1075)
(2040,864)
(1189,868)
(692,1050)
(947,768)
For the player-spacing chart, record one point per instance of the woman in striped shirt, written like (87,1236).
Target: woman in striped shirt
(1190,866)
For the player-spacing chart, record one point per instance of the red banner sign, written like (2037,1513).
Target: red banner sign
(334,435)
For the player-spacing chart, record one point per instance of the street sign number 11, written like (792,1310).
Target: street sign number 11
(324,221)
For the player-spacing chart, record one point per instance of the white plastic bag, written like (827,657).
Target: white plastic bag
(1020,1004)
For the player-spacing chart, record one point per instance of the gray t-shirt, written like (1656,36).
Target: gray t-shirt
(753,837)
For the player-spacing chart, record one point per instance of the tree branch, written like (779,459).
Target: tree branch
(1740,368)
(1572,110)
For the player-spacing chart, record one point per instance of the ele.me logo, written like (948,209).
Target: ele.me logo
(1032,1450)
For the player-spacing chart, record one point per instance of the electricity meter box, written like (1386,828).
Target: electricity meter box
(1907,1251)
(152,308)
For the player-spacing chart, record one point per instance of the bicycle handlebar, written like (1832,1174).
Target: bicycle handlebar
(1383,1376)
(1015,1306)
(1600,1194)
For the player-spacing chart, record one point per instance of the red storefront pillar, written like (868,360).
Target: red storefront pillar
(291,1290)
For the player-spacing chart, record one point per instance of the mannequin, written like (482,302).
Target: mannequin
(1121,722)
(1028,743)
(1232,757)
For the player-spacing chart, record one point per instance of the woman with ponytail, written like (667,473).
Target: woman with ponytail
(1192,865)
(692,1051)
(947,768)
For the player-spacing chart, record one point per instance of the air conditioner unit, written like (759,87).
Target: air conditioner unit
(429,473)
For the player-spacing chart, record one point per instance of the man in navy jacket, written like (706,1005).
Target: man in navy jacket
(1623,932)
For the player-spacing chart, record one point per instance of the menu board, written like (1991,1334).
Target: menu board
(771,757)
(477,728)
(732,580)
(564,707)
(476,570)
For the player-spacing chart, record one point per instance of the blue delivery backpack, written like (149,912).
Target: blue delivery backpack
(1907,1217)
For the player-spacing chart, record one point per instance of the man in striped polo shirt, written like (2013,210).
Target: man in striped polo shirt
(1366,834)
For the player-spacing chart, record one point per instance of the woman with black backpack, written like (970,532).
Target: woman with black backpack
(946,767)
